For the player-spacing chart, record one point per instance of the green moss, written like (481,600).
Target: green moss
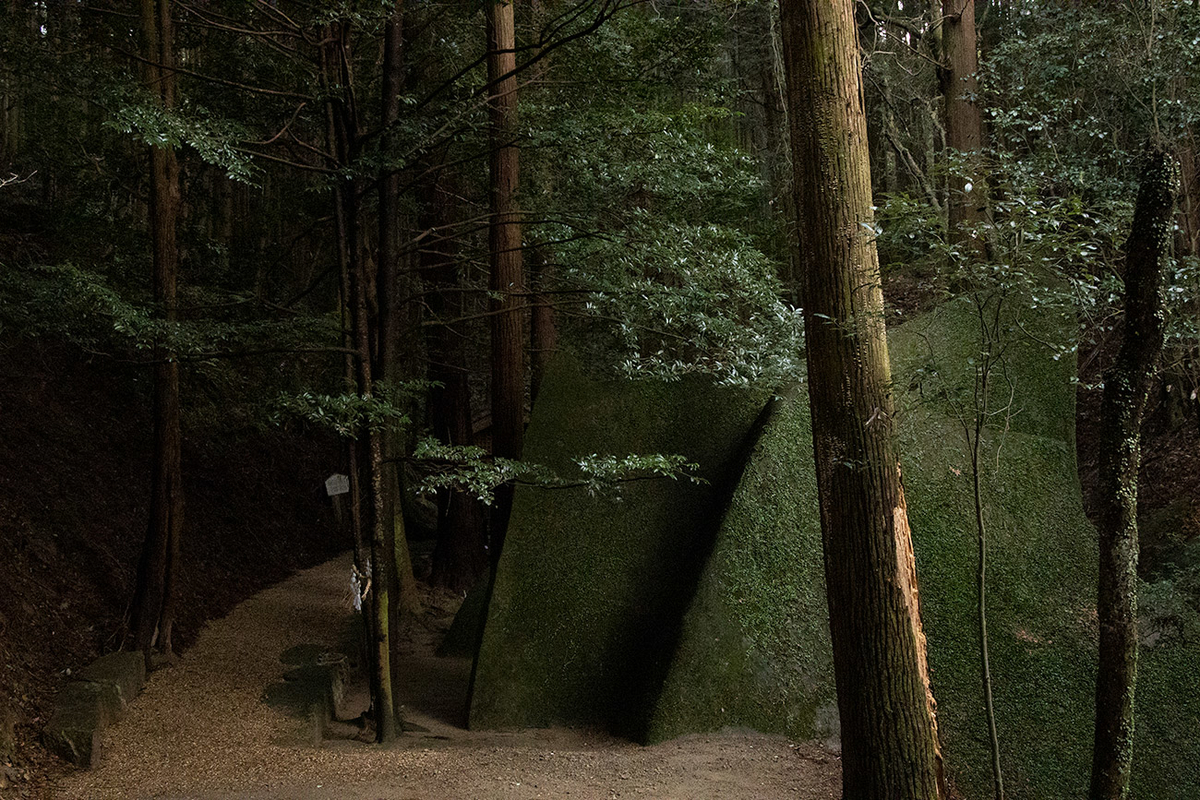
(755,649)
(590,590)
(589,624)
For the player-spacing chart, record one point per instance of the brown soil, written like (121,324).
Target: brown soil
(202,730)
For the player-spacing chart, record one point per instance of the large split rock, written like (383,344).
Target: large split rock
(591,622)
(585,611)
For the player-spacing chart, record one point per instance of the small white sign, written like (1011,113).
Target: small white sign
(337,484)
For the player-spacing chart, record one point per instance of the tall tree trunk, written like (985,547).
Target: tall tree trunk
(504,243)
(967,200)
(381,572)
(403,591)
(383,552)
(888,715)
(158,571)
(1126,384)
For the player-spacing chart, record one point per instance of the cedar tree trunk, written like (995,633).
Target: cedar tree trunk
(504,243)
(153,609)
(888,716)
(964,123)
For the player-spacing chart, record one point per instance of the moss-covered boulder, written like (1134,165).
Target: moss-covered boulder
(584,628)
(120,675)
(584,615)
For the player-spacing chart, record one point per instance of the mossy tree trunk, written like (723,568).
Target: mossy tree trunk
(1126,384)
(888,716)
(153,608)
(507,280)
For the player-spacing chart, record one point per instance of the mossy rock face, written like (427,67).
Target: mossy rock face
(589,592)
(748,645)
(755,647)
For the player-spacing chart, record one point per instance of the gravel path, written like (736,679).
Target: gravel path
(201,730)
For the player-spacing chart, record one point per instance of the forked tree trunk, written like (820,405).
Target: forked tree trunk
(1126,384)
(888,715)
(504,243)
(967,201)
(153,609)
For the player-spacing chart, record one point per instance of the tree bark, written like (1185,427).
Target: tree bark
(1189,197)
(1126,385)
(507,279)
(967,201)
(403,592)
(888,715)
(376,525)
(153,609)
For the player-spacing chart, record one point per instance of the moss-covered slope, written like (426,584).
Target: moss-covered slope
(589,592)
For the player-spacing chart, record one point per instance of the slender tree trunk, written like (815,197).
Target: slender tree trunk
(1126,384)
(888,715)
(967,200)
(504,243)
(1189,197)
(158,571)
(382,550)
(376,524)
(403,591)
(991,350)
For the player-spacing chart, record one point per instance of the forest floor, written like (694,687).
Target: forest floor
(74,472)
(201,730)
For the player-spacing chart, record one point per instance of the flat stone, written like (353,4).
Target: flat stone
(81,711)
(122,674)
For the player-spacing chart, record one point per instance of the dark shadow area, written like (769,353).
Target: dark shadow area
(653,638)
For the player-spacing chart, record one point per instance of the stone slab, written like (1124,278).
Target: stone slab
(123,674)
(81,710)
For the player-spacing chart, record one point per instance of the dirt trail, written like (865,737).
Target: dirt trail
(202,730)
